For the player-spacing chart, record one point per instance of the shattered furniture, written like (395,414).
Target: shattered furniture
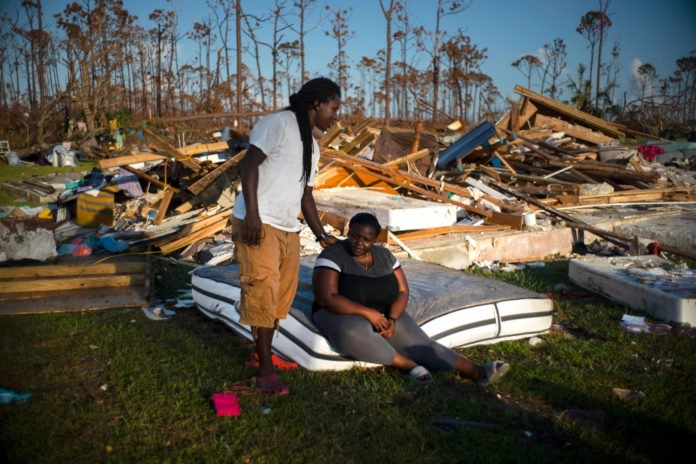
(454,308)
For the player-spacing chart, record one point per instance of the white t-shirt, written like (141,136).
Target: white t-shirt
(280,188)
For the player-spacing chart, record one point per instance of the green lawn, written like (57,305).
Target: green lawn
(114,386)
(27,172)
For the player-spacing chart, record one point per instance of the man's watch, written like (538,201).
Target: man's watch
(322,236)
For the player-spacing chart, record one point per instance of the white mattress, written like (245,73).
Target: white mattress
(454,308)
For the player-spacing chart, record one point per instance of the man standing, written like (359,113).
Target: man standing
(277,179)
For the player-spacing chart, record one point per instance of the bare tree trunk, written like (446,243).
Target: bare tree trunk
(238,10)
(387,12)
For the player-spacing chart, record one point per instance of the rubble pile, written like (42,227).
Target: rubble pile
(540,157)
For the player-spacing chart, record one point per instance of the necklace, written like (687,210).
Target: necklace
(362,265)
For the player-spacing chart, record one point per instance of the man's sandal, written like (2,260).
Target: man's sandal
(278,362)
(271,384)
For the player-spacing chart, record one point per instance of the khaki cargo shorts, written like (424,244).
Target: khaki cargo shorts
(269,274)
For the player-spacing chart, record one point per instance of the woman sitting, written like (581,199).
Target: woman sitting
(360,300)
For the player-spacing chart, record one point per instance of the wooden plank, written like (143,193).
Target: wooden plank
(129,159)
(505,163)
(515,116)
(181,243)
(202,183)
(204,148)
(528,110)
(71,283)
(513,220)
(203,223)
(164,205)
(172,151)
(73,300)
(392,176)
(187,206)
(340,176)
(572,113)
(408,158)
(149,178)
(23,272)
(577,132)
(455,229)
(362,140)
(330,135)
(405,183)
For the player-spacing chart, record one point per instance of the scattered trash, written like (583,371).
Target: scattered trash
(628,395)
(560,288)
(534,341)
(158,313)
(266,410)
(528,434)
(637,324)
(10,396)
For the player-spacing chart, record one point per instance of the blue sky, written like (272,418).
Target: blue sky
(649,31)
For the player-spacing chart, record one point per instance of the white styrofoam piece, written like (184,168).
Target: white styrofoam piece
(394,212)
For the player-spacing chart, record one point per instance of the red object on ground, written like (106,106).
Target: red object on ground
(226,404)
(278,362)
(650,152)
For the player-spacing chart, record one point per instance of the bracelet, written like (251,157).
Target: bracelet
(322,236)
(392,318)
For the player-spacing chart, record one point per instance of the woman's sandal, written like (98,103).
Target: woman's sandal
(495,370)
(420,375)
(271,384)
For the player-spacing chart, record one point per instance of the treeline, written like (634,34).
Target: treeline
(95,61)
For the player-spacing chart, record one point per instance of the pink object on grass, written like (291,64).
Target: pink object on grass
(226,404)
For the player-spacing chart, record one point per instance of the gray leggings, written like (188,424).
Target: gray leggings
(355,337)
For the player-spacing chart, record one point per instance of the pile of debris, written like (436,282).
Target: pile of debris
(540,157)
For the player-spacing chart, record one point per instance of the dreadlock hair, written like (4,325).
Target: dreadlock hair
(319,90)
(365,219)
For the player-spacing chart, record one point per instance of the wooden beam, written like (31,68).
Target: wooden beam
(149,178)
(528,110)
(205,222)
(205,181)
(71,283)
(63,270)
(204,148)
(182,242)
(172,151)
(129,159)
(577,132)
(408,158)
(572,113)
(164,205)
(330,135)
(455,229)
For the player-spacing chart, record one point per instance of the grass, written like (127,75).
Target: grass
(27,172)
(114,386)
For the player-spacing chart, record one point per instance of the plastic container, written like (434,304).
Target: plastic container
(529,218)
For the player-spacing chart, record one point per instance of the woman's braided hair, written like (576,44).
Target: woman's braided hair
(365,219)
(320,90)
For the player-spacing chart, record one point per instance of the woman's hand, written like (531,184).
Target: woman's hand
(378,320)
(389,332)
